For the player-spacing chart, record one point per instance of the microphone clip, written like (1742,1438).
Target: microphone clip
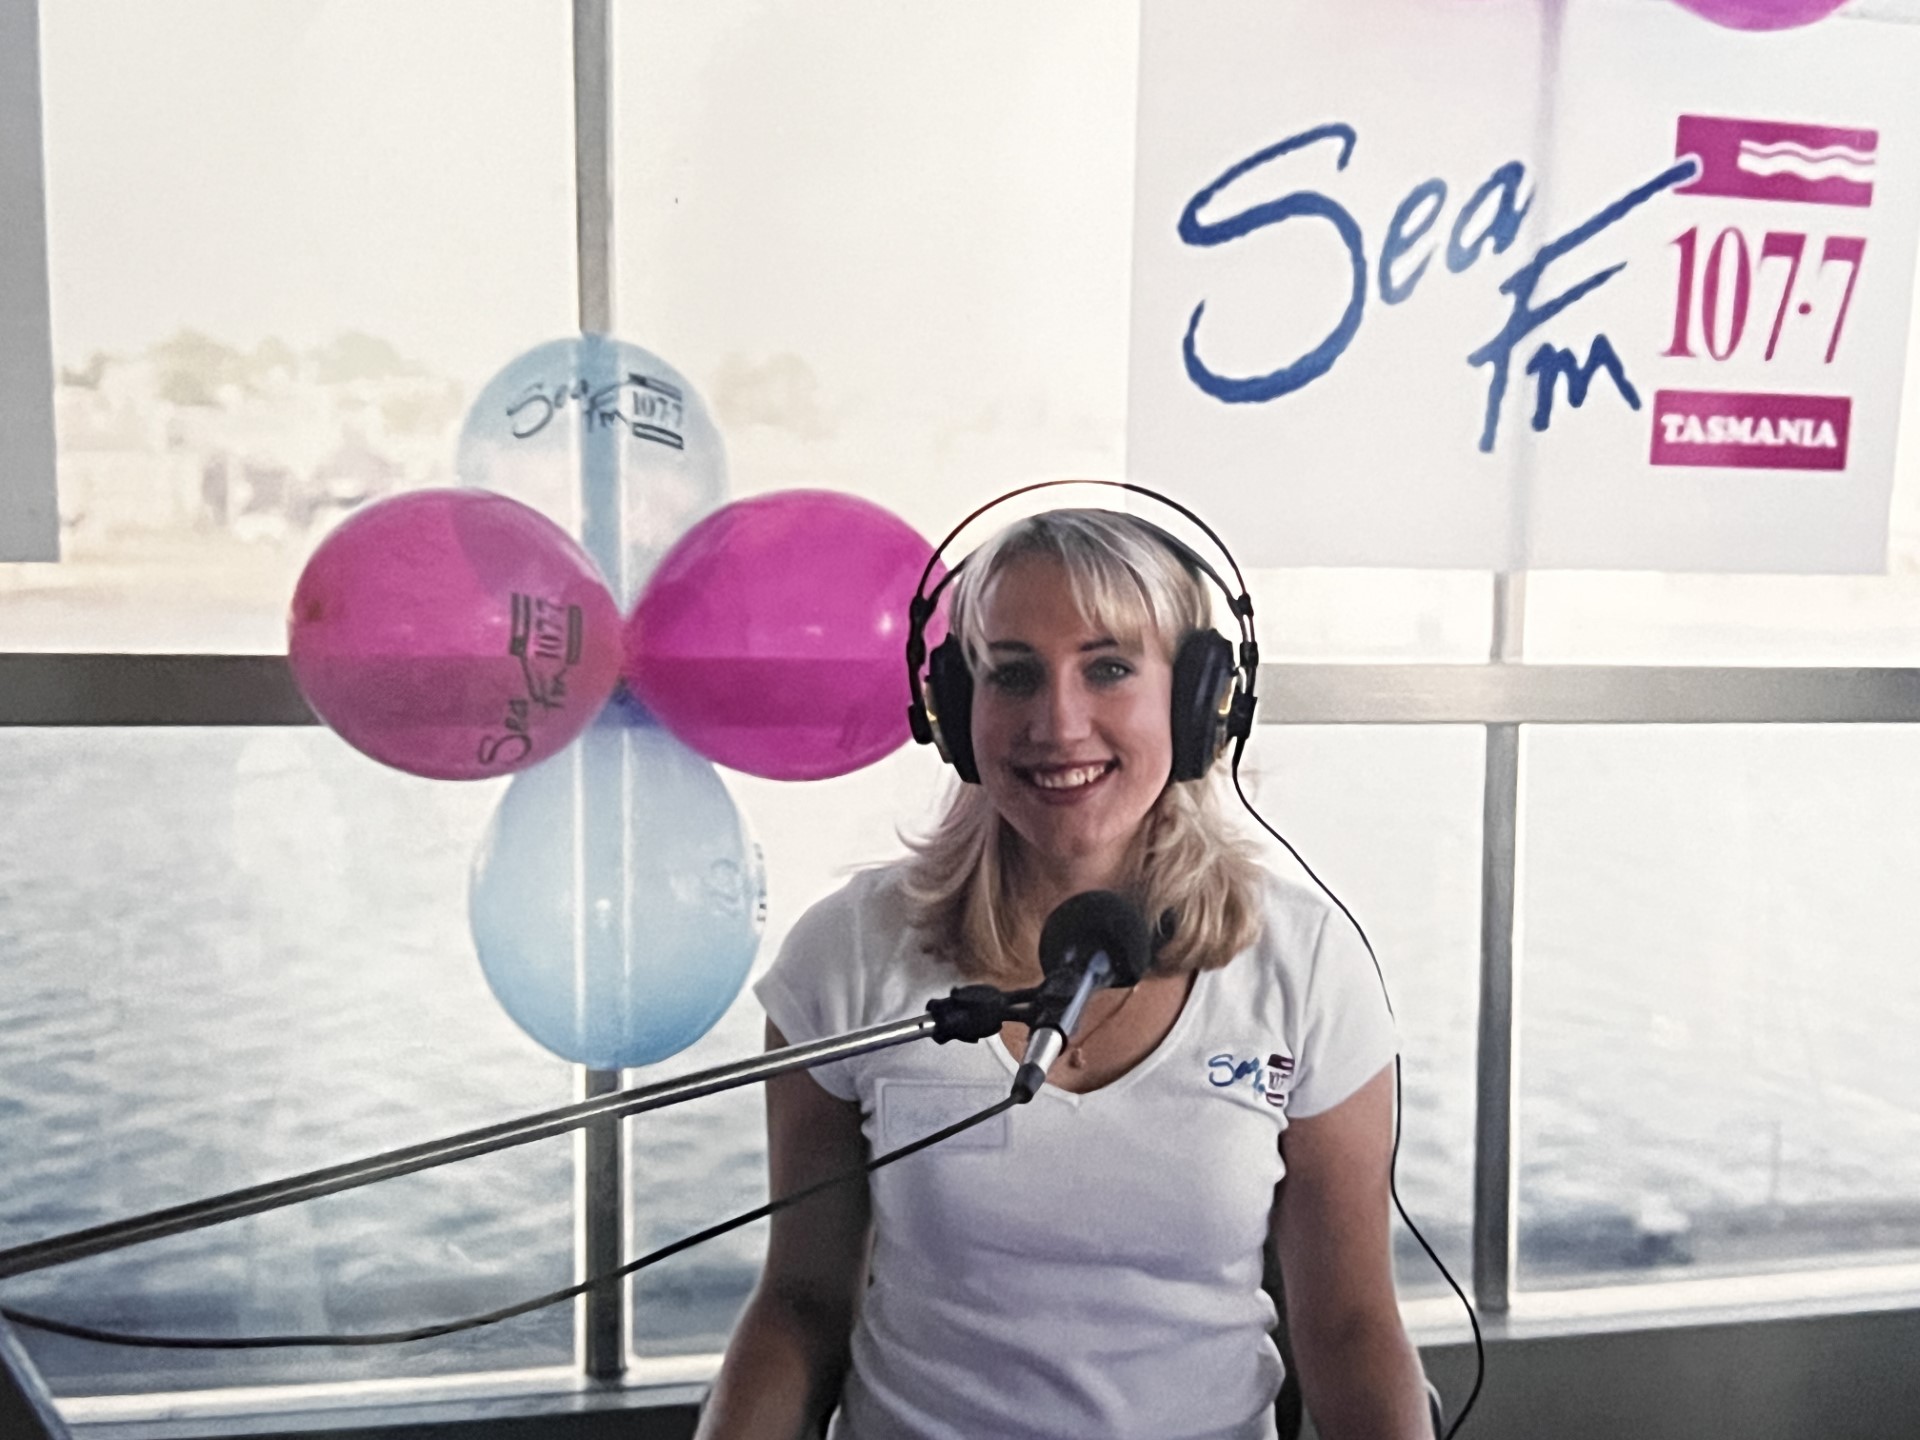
(976,1012)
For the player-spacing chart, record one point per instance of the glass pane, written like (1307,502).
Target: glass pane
(844,224)
(1615,618)
(1389,817)
(233,956)
(900,267)
(1717,1000)
(1383,616)
(287,243)
(698,1163)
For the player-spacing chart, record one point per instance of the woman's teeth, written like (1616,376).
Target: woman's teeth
(1067,779)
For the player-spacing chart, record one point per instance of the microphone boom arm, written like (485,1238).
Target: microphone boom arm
(971,1012)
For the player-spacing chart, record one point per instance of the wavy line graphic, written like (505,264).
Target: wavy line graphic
(1806,152)
(1833,169)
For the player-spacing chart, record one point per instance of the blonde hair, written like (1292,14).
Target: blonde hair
(1193,878)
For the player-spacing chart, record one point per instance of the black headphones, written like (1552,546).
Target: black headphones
(1213,687)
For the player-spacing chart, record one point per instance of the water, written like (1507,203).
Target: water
(232,955)
(1720,957)
(226,961)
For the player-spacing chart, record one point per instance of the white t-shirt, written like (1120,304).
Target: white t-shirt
(1084,1265)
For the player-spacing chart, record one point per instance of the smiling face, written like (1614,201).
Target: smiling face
(1072,725)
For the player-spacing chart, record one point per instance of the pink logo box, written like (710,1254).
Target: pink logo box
(1773,160)
(1750,432)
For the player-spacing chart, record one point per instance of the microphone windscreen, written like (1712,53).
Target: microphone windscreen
(1097,920)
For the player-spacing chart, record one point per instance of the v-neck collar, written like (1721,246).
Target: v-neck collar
(1189,1003)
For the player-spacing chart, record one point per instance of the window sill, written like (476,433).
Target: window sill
(458,1403)
(1673,1304)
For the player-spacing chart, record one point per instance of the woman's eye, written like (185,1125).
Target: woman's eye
(1015,679)
(1107,671)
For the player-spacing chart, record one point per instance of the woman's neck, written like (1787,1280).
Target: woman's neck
(1037,888)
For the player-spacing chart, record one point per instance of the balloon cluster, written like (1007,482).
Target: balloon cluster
(618,898)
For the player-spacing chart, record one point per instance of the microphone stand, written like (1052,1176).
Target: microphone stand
(970,1013)
(1049,1035)
(27,1410)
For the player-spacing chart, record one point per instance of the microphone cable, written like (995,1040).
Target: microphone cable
(508,1312)
(1393,1159)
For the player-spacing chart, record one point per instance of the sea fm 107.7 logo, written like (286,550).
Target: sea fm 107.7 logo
(1806,279)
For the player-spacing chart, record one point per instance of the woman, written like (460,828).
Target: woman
(1089,1265)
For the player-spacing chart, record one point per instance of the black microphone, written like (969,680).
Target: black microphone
(1091,940)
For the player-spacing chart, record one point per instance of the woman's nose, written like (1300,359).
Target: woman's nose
(1064,713)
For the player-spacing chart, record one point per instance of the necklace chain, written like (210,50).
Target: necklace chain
(1075,1058)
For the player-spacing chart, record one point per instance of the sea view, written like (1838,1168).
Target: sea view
(234,955)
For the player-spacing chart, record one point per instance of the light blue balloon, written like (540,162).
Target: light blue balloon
(617,898)
(606,439)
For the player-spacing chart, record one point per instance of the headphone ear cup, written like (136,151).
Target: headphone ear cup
(950,693)
(1203,681)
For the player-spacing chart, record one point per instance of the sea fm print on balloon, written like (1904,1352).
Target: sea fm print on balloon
(453,634)
(607,438)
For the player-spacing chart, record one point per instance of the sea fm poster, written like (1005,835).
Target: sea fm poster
(1522,284)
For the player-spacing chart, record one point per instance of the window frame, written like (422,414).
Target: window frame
(1502,697)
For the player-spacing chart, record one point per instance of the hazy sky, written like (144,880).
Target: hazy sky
(906,222)
(905,227)
(300,167)
(880,189)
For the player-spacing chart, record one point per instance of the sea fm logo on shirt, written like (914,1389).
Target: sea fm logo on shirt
(1271,1079)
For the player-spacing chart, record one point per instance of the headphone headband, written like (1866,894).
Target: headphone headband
(1239,601)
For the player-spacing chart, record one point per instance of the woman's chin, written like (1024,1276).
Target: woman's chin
(1088,857)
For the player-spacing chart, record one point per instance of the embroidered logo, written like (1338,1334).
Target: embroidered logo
(1271,1081)
(1277,1078)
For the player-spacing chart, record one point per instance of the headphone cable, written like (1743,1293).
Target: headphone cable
(1393,1160)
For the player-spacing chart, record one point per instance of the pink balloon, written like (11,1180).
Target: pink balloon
(772,637)
(455,634)
(1763,14)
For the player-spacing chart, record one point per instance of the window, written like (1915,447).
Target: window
(1389,817)
(1714,1074)
(287,243)
(694,1164)
(234,956)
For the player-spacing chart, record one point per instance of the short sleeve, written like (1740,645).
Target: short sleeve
(813,989)
(1348,1035)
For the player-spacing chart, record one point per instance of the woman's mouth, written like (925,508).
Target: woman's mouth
(1066,780)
